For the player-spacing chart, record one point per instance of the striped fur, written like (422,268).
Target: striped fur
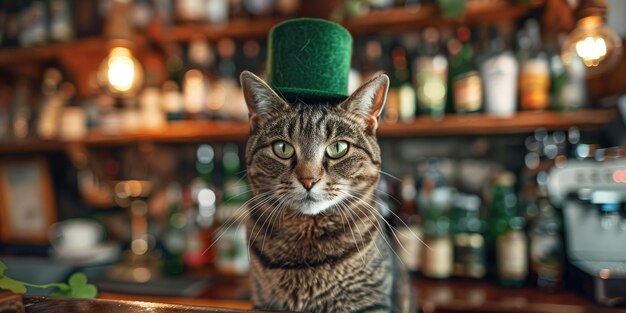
(337,260)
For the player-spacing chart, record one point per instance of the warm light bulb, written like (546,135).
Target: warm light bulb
(594,44)
(120,73)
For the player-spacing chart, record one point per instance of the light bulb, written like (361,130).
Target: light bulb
(594,44)
(120,73)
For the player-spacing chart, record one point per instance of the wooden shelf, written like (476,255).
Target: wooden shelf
(18,56)
(234,29)
(405,19)
(451,125)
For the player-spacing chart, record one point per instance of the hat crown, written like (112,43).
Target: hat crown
(309,58)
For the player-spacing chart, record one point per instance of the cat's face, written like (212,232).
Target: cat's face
(312,158)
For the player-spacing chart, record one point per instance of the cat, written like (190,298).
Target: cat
(315,236)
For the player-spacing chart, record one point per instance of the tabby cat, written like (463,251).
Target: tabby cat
(315,235)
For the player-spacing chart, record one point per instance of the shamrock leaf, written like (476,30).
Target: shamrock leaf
(78,288)
(8,283)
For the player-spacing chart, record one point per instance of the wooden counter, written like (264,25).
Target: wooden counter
(448,296)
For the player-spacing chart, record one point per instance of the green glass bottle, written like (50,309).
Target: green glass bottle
(431,74)
(465,90)
(469,241)
(507,227)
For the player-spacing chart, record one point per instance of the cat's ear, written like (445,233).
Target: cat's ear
(262,101)
(368,100)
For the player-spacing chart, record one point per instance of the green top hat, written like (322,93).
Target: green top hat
(309,59)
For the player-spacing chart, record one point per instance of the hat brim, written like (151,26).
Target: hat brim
(310,95)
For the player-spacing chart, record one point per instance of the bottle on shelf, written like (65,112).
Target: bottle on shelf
(22,112)
(11,23)
(469,241)
(401,94)
(465,89)
(150,109)
(172,99)
(568,88)
(33,24)
(547,254)
(51,104)
(61,26)
(434,199)
(217,11)
(288,7)
(88,20)
(196,81)
(431,72)
(408,230)
(232,248)
(499,70)
(259,8)
(173,238)
(508,235)
(191,10)
(534,81)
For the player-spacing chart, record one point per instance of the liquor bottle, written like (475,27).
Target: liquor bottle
(434,201)
(232,249)
(217,11)
(88,21)
(431,72)
(408,230)
(401,85)
(469,242)
(546,246)
(172,101)
(196,78)
(21,109)
(33,23)
(227,100)
(173,238)
(190,10)
(568,88)
(259,7)
(51,104)
(507,229)
(499,71)
(534,81)
(61,27)
(288,7)
(465,87)
(11,23)
(149,103)
(142,13)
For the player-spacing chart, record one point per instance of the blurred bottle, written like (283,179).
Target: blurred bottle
(259,7)
(11,23)
(196,81)
(401,97)
(149,103)
(408,230)
(431,72)
(173,238)
(172,99)
(499,70)
(434,201)
(288,7)
(232,249)
(381,4)
(22,111)
(546,246)
(469,242)
(191,10)
(534,81)
(509,238)
(51,104)
(61,26)
(465,88)
(227,100)
(33,23)
(217,11)
(88,21)
(568,88)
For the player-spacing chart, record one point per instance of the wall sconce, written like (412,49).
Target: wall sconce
(592,41)
(120,73)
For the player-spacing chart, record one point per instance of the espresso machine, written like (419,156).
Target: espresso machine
(592,197)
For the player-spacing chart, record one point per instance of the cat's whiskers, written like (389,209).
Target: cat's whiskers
(261,206)
(235,218)
(375,222)
(347,219)
(389,175)
(394,230)
(275,212)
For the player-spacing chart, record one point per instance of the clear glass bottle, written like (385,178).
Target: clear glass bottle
(431,75)
(499,70)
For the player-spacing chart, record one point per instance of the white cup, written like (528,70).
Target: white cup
(75,234)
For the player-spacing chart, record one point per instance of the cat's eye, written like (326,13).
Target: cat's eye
(337,149)
(283,149)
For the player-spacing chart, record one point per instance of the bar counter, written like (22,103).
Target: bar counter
(447,296)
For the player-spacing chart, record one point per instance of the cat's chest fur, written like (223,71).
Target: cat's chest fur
(362,280)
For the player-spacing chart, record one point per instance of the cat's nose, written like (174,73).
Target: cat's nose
(308,182)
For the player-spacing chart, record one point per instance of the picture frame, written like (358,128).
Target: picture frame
(27,203)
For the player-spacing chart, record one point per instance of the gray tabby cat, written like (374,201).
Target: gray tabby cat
(315,236)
